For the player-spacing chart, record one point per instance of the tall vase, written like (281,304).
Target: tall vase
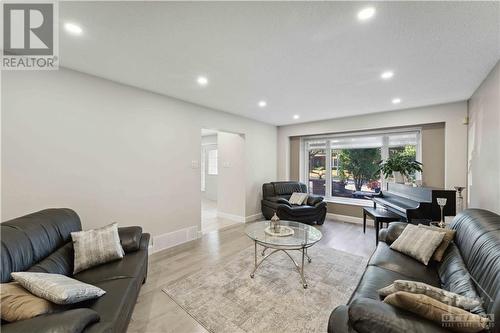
(460,198)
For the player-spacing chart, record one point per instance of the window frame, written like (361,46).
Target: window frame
(384,152)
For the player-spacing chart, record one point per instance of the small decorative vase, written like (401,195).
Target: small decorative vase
(275,223)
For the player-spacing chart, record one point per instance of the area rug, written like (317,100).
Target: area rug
(224,299)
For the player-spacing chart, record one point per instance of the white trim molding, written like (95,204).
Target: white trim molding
(349,201)
(254,217)
(240,219)
(345,218)
(171,239)
(232,217)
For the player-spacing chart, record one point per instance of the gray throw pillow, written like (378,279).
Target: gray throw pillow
(96,246)
(449,234)
(444,296)
(418,243)
(57,288)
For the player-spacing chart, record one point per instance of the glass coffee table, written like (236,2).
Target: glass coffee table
(304,236)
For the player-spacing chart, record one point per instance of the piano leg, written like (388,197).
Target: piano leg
(376,231)
(364,222)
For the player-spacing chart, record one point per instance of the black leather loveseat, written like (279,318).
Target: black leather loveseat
(275,197)
(470,266)
(41,242)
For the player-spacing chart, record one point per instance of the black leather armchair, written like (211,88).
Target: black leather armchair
(275,199)
(470,267)
(41,242)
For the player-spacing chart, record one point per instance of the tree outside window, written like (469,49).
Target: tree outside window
(359,167)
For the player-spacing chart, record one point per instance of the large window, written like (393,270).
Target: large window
(345,166)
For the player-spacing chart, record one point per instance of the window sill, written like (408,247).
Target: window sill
(349,201)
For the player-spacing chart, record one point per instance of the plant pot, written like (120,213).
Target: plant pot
(398,177)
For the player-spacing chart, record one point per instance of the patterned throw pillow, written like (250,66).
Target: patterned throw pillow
(448,237)
(418,243)
(431,309)
(444,296)
(298,198)
(96,246)
(57,288)
(16,303)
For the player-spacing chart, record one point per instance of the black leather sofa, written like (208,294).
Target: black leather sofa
(41,242)
(471,266)
(275,197)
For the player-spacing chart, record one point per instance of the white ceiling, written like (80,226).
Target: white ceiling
(314,59)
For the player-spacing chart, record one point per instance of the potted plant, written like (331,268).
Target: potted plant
(400,166)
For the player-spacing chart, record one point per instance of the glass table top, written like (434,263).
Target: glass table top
(304,235)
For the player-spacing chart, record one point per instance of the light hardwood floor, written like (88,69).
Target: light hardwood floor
(156,312)
(209,219)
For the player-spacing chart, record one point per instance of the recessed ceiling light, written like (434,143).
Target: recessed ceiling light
(396,100)
(73,28)
(366,13)
(296,116)
(262,104)
(202,81)
(387,75)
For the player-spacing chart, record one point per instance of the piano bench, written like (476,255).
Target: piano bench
(379,215)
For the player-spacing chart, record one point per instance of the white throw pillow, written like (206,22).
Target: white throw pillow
(298,198)
(96,246)
(418,243)
(57,288)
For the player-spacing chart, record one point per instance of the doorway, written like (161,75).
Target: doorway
(222,180)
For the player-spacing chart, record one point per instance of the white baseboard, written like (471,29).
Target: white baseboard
(170,239)
(235,218)
(345,218)
(254,217)
(240,219)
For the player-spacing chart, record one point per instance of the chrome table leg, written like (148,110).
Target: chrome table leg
(304,284)
(300,269)
(307,256)
(263,259)
(255,260)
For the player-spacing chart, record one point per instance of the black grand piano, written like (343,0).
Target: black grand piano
(416,204)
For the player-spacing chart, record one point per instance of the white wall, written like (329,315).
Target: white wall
(452,114)
(484,144)
(231,193)
(113,152)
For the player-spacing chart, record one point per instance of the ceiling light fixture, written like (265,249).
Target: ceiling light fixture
(396,100)
(73,28)
(262,104)
(296,116)
(202,81)
(366,13)
(387,75)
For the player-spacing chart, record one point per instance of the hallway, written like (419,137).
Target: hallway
(209,220)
